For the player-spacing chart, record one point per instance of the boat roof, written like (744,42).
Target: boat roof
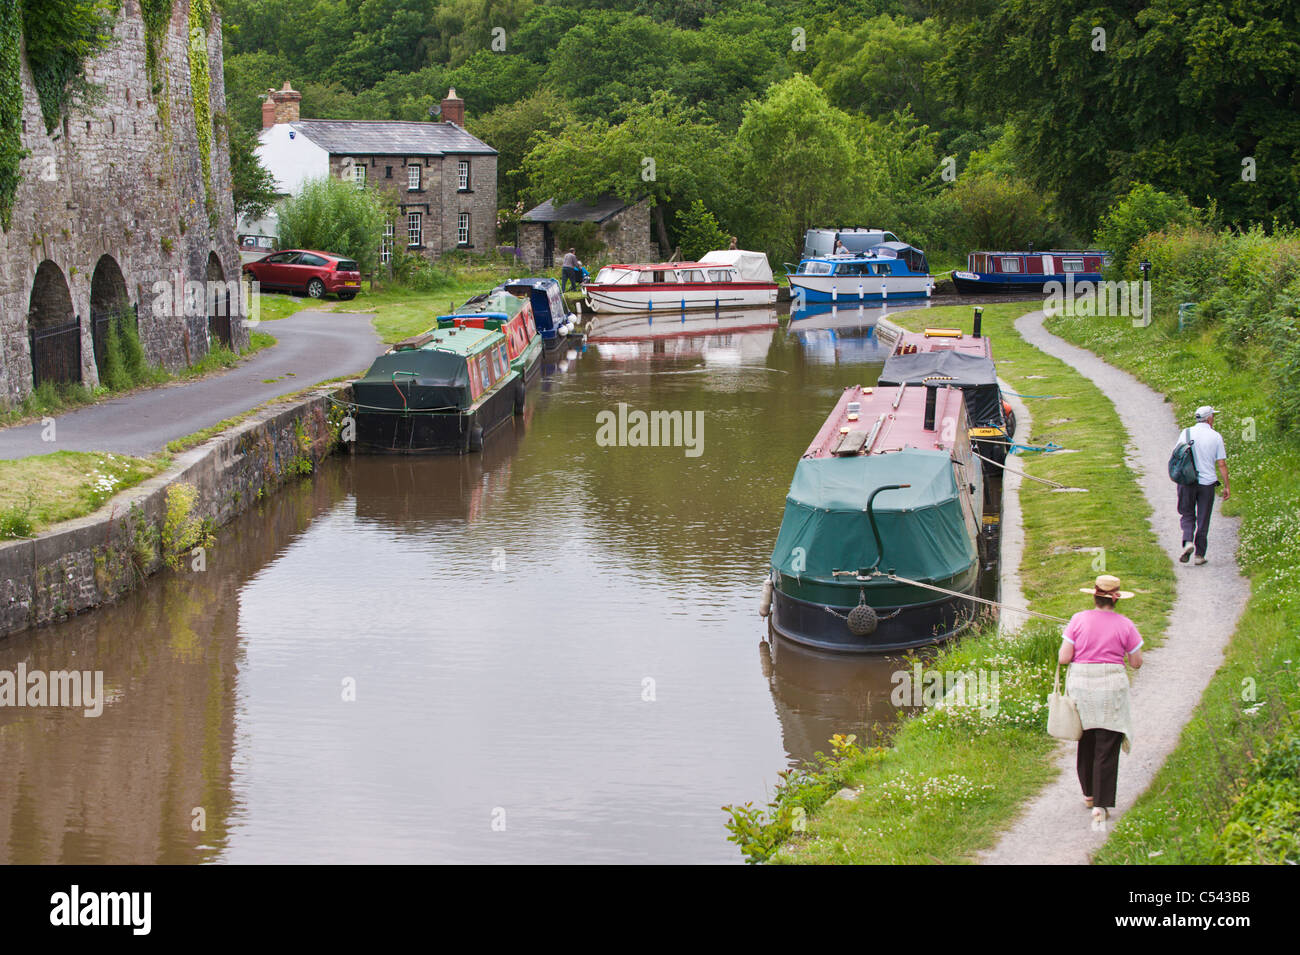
(943,339)
(954,368)
(457,340)
(1042,252)
(900,414)
(665,266)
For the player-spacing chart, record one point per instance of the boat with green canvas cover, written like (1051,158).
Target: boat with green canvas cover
(887,497)
(440,392)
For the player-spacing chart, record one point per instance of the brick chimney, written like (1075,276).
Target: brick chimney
(268,110)
(453,108)
(286,104)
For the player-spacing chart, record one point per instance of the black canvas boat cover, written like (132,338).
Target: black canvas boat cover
(422,379)
(976,375)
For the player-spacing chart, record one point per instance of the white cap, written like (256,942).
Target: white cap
(1204,411)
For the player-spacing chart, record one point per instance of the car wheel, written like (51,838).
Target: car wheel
(316,288)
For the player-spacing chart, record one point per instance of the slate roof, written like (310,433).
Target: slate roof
(578,210)
(391,138)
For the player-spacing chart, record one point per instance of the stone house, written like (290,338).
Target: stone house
(619,231)
(442,180)
(125,200)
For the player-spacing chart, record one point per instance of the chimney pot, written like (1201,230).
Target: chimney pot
(453,108)
(286,100)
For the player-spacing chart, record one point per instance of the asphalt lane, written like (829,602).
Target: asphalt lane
(311,347)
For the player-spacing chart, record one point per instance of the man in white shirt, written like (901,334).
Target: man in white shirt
(1196,501)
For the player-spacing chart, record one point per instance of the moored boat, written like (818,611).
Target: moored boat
(555,324)
(513,317)
(891,270)
(440,392)
(1026,271)
(724,279)
(885,499)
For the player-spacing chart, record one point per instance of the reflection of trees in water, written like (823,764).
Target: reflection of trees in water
(123,787)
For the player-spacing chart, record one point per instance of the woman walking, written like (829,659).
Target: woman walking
(1097,642)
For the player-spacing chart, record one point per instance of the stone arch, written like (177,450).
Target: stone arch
(219,304)
(108,299)
(53,328)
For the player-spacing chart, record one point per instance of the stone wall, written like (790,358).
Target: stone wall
(84,563)
(121,179)
(625,236)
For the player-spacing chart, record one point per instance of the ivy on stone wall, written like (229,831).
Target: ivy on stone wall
(61,37)
(201,88)
(11,107)
(157,15)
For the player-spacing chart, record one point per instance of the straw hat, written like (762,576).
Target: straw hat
(1107,586)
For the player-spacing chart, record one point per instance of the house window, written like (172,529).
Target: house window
(462,228)
(359,175)
(388,172)
(413,177)
(386,246)
(414,234)
(462,170)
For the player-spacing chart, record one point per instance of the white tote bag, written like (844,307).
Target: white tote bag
(1062,715)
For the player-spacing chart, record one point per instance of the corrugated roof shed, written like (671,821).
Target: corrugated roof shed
(391,138)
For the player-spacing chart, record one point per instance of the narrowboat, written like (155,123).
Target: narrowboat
(555,323)
(885,499)
(513,317)
(1026,271)
(440,392)
(891,270)
(724,279)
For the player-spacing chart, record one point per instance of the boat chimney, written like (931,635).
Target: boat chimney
(931,396)
(979,315)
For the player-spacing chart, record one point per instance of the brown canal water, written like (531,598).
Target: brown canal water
(554,645)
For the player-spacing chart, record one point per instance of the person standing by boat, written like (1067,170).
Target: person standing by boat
(569,272)
(1196,501)
(840,248)
(1096,642)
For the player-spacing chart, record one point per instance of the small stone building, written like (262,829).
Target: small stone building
(119,206)
(443,181)
(621,230)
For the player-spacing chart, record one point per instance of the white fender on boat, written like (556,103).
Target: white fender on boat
(765,602)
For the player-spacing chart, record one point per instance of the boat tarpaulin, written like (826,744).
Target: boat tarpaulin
(976,375)
(750,266)
(427,378)
(923,528)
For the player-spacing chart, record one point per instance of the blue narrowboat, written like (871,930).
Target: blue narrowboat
(891,270)
(554,323)
(1026,271)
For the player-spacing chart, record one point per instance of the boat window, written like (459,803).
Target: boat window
(719,275)
(1009,264)
(609,276)
(1072,265)
(815,268)
(648,277)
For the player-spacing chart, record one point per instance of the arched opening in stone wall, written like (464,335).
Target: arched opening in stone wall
(53,328)
(108,300)
(218,303)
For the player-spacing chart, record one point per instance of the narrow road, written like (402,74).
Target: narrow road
(312,347)
(1054,827)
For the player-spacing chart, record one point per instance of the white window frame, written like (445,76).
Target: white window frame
(462,174)
(1072,265)
(414,230)
(359,175)
(462,228)
(413,178)
(386,246)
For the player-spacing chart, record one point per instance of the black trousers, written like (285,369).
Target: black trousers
(568,278)
(1195,502)
(1098,765)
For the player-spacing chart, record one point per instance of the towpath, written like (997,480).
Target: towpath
(312,346)
(1053,828)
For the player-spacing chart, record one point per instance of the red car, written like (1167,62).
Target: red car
(305,270)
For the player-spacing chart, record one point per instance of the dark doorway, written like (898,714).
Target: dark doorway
(218,303)
(108,300)
(53,328)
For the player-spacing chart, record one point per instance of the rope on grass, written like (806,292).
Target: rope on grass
(1014,471)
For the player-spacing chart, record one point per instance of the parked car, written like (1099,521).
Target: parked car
(302,270)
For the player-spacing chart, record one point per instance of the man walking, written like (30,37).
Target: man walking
(1196,501)
(569,273)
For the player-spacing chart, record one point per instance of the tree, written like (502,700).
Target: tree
(663,150)
(995,212)
(698,231)
(514,128)
(336,216)
(1144,210)
(252,186)
(888,64)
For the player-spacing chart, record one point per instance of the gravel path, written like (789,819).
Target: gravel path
(311,347)
(1054,827)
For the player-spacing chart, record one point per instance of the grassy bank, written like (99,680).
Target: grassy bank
(43,490)
(1230,792)
(953,777)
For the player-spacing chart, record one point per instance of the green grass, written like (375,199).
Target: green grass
(273,306)
(1254,696)
(951,780)
(199,437)
(45,489)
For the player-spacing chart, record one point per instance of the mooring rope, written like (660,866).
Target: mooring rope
(954,593)
(1014,471)
(1018,395)
(398,411)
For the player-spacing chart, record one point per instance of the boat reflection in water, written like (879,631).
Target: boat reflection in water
(817,694)
(740,336)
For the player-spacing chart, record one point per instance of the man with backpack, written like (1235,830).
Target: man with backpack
(1206,455)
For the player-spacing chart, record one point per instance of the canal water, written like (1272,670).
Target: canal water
(547,652)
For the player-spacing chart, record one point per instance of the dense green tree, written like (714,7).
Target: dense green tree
(1142,211)
(252,186)
(335,215)
(512,130)
(886,65)
(988,211)
(698,231)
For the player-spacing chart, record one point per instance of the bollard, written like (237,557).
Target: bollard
(834,293)
(884,292)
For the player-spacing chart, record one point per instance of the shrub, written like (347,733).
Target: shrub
(335,216)
(1144,210)
(698,231)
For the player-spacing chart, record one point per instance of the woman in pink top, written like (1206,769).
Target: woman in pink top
(1097,642)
